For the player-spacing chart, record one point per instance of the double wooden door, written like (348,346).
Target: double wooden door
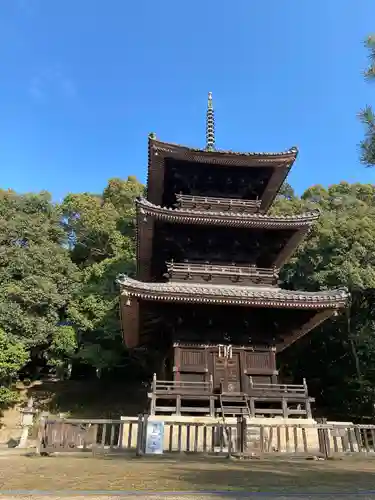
(226,370)
(229,366)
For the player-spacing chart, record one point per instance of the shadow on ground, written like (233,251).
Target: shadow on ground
(279,477)
(186,473)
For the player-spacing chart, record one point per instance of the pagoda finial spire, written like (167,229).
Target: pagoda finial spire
(210,125)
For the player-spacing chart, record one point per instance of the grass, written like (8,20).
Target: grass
(85,473)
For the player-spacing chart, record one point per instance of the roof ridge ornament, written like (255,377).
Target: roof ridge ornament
(210,124)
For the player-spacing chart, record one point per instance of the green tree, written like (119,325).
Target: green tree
(101,232)
(367,116)
(340,248)
(37,276)
(13,357)
(338,358)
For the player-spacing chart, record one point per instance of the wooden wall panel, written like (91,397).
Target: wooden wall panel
(193,358)
(261,361)
(129,314)
(145,232)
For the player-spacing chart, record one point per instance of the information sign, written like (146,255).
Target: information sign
(155,438)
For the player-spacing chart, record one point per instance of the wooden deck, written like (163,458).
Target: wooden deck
(268,400)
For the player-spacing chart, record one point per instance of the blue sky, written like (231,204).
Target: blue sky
(83,82)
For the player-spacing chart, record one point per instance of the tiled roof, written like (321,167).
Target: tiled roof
(169,147)
(185,215)
(232,294)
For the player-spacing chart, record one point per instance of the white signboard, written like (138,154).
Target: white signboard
(155,438)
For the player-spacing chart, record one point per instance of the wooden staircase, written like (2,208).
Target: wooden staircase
(232,405)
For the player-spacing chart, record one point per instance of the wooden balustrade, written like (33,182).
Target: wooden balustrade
(181,271)
(278,389)
(181,386)
(179,397)
(212,203)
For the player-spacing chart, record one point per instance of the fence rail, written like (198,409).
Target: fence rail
(218,273)
(192,201)
(177,386)
(282,389)
(237,436)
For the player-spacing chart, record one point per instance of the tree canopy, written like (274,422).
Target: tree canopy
(338,359)
(37,275)
(59,302)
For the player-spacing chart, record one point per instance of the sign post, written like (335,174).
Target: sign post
(154,438)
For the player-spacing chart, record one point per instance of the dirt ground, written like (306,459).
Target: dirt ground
(125,473)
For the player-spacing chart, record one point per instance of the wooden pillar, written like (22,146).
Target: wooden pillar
(153,396)
(178,405)
(252,407)
(212,406)
(308,408)
(153,404)
(284,404)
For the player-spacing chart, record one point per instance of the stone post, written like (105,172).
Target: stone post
(27,420)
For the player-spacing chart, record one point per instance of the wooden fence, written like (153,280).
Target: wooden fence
(237,437)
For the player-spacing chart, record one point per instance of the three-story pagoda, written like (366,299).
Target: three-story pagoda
(206,299)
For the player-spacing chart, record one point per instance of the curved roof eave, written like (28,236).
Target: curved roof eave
(233,295)
(183,215)
(171,149)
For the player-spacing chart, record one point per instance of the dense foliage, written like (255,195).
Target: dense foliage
(101,234)
(59,300)
(37,276)
(338,359)
(367,115)
(13,356)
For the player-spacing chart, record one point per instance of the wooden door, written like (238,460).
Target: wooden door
(226,374)
(219,369)
(233,378)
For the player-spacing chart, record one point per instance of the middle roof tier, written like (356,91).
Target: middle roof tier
(201,236)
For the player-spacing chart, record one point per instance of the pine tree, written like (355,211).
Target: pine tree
(367,115)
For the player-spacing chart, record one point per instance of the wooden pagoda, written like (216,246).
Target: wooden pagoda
(206,300)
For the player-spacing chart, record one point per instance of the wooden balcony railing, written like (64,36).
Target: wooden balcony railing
(278,389)
(210,203)
(181,386)
(231,273)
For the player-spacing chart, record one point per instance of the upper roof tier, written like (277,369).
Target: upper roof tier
(175,169)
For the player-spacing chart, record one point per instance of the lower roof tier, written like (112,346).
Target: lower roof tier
(233,294)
